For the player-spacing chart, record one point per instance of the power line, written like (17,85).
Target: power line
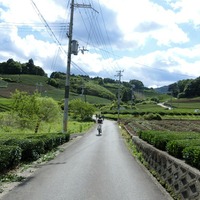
(95,35)
(55,38)
(47,25)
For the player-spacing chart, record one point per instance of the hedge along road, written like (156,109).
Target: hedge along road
(90,168)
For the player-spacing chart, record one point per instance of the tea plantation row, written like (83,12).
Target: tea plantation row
(182,145)
(16,148)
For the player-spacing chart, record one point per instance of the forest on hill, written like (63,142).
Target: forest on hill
(15,67)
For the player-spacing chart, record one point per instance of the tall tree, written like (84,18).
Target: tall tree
(193,88)
(138,84)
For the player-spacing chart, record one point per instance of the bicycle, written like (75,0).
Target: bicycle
(99,129)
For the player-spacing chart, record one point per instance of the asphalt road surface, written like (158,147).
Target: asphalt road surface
(91,168)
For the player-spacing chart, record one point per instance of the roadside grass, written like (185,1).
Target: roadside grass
(11,177)
(8,124)
(132,147)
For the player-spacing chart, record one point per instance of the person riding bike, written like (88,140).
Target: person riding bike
(99,127)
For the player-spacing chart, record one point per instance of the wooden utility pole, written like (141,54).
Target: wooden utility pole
(66,101)
(119,74)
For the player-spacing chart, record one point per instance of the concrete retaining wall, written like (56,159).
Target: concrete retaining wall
(184,179)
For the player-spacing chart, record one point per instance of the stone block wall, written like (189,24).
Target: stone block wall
(184,179)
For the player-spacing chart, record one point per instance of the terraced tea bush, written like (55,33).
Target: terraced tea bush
(152,116)
(159,139)
(192,156)
(31,148)
(176,147)
(10,157)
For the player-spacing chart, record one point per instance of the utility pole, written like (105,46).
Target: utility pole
(132,88)
(72,49)
(83,93)
(66,102)
(119,74)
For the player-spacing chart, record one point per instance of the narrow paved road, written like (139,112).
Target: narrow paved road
(91,168)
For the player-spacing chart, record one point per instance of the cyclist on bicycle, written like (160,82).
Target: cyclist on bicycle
(99,127)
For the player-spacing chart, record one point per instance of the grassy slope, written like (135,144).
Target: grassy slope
(30,83)
(5,104)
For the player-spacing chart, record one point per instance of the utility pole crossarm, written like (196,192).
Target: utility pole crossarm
(77,5)
(82,5)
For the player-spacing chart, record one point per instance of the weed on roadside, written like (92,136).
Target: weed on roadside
(11,178)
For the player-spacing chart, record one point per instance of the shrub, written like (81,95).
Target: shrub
(8,80)
(192,156)
(10,157)
(34,108)
(53,82)
(80,110)
(152,116)
(146,135)
(159,139)
(27,147)
(48,109)
(53,140)
(176,147)
(31,148)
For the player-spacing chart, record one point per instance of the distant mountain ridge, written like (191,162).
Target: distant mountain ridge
(163,89)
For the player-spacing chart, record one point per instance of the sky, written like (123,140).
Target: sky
(156,42)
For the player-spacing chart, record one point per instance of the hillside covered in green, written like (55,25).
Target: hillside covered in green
(30,78)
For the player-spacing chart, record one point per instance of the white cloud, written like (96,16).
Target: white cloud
(23,11)
(187,11)
(130,16)
(142,25)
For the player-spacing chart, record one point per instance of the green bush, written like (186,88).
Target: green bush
(53,140)
(31,148)
(159,139)
(10,157)
(15,148)
(176,147)
(152,116)
(2,141)
(192,156)
(81,111)
(146,135)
